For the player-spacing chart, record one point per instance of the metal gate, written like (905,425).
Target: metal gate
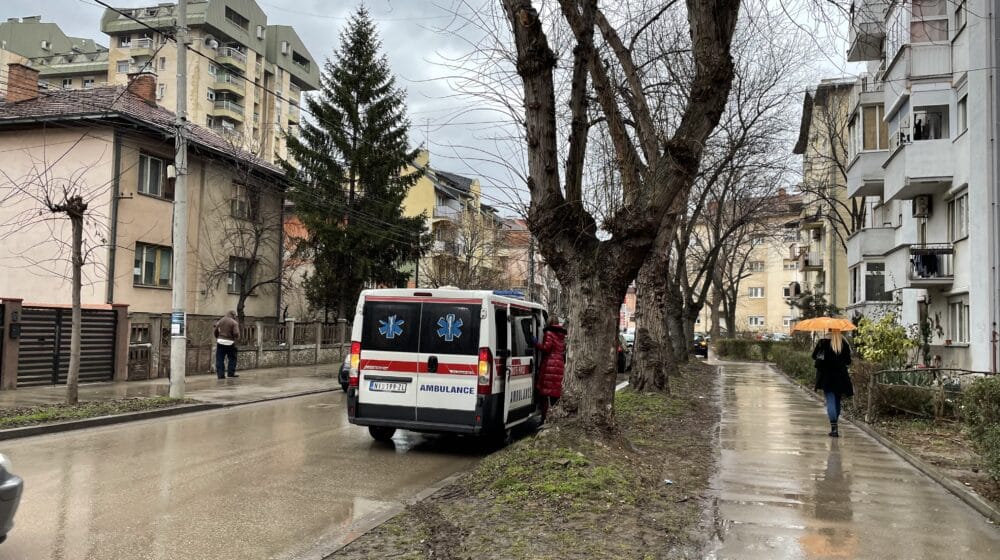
(43,358)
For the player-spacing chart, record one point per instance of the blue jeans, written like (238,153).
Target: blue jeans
(832,406)
(222,352)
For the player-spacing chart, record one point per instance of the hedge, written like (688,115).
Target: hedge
(982,419)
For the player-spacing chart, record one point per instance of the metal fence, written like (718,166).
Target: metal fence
(925,392)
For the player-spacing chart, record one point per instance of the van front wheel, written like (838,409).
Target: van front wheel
(381,433)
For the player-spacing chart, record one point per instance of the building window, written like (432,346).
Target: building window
(958,321)
(237,19)
(125,41)
(88,83)
(875,283)
(67,83)
(161,91)
(240,275)
(786,321)
(961,15)
(244,202)
(755,321)
(153,177)
(930,122)
(929,21)
(958,217)
(163,63)
(213,69)
(122,67)
(210,94)
(756,266)
(791,234)
(790,265)
(756,239)
(152,266)
(875,131)
(963,114)
(755,293)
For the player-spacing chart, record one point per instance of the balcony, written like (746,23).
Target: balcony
(869,242)
(811,261)
(225,131)
(293,113)
(931,265)
(227,109)
(231,83)
(812,220)
(445,248)
(920,167)
(910,62)
(443,212)
(232,57)
(867,30)
(865,175)
(142,47)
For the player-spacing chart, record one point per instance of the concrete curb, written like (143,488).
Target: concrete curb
(98,421)
(973,500)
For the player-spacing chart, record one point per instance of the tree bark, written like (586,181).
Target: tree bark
(651,366)
(73,375)
(674,313)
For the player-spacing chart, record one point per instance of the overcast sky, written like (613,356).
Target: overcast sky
(413,40)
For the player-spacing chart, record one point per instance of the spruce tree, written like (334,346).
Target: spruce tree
(349,177)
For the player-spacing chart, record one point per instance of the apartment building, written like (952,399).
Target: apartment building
(245,77)
(522,267)
(63,62)
(826,222)
(923,156)
(115,147)
(772,267)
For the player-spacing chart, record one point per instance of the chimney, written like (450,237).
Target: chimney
(143,85)
(22,83)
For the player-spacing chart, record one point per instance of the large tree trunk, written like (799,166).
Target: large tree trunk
(652,358)
(589,385)
(73,375)
(716,315)
(674,308)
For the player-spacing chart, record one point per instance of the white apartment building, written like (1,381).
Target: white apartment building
(922,153)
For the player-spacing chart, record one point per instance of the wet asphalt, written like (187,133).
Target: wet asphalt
(789,491)
(270,480)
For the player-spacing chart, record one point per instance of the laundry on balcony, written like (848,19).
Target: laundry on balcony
(925,266)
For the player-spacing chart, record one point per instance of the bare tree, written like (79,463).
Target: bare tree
(43,199)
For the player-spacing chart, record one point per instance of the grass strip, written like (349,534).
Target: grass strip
(47,414)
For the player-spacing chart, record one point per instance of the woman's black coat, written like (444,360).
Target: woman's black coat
(831,370)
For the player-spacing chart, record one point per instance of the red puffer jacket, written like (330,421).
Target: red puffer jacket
(553,346)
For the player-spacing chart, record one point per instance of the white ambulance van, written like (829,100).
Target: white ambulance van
(443,360)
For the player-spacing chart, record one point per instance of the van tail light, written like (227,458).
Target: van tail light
(355,363)
(485,384)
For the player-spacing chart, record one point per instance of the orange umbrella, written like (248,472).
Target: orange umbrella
(824,324)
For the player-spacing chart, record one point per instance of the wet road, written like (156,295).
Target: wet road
(271,480)
(788,491)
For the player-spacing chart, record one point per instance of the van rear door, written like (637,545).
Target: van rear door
(390,359)
(449,351)
(520,387)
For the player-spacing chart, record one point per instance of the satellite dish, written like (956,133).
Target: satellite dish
(211,42)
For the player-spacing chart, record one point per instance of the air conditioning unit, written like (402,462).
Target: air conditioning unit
(46,45)
(260,31)
(285,47)
(922,206)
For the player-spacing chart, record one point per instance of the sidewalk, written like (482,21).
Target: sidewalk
(787,490)
(252,385)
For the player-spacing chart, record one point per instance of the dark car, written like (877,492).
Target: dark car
(345,372)
(700,346)
(10,496)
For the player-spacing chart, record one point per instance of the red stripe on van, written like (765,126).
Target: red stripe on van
(427,299)
(417,367)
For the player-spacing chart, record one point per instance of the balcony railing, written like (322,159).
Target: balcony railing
(448,212)
(931,264)
(811,261)
(235,54)
(232,81)
(143,43)
(227,105)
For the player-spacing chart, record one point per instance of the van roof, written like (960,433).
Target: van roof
(435,293)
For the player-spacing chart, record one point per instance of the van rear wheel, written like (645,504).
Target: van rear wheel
(381,433)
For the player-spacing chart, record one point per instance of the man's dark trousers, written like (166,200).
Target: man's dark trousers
(222,353)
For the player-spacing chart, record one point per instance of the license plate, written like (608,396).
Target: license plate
(387,387)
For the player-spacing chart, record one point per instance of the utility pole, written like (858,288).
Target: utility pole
(531,267)
(178,315)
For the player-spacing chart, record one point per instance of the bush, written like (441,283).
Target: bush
(982,420)
(796,363)
(744,349)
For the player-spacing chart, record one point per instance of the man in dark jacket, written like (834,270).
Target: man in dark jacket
(227,333)
(832,356)
(550,374)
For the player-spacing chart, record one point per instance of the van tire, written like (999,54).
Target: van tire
(343,387)
(381,433)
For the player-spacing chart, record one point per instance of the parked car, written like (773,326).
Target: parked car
(699,347)
(11,486)
(778,337)
(624,356)
(629,340)
(345,372)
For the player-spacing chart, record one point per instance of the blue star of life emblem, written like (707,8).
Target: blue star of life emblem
(451,328)
(391,328)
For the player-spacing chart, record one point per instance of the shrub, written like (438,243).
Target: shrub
(982,419)
(884,341)
(796,363)
(744,349)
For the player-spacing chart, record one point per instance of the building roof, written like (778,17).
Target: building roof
(450,184)
(116,103)
(52,52)
(818,98)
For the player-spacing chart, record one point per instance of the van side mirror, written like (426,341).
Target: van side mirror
(503,353)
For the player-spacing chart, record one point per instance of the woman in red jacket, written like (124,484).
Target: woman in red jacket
(550,375)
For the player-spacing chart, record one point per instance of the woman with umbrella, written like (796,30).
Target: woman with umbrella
(832,356)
